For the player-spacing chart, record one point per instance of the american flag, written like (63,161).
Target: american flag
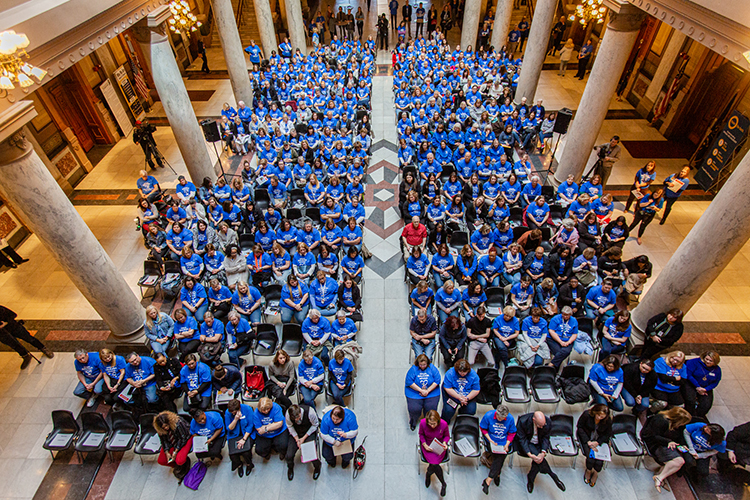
(140,82)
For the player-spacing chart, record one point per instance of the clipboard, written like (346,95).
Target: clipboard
(675,185)
(224,397)
(200,444)
(232,445)
(344,448)
(545,393)
(515,393)
(602,453)
(309,451)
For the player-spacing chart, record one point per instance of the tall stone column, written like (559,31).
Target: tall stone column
(296,24)
(30,188)
(151,34)
(232,47)
(618,41)
(265,25)
(716,238)
(503,13)
(470,24)
(536,49)
(665,65)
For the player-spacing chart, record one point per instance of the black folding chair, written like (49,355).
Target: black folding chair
(94,431)
(272,296)
(515,385)
(562,427)
(63,434)
(147,432)
(247,241)
(266,340)
(291,339)
(495,300)
(123,432)
(626,424)
(262,199)
(466,426)
(458,239)
(151,278)
(543,386)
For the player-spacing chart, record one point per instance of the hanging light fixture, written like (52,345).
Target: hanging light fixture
(589,10)
(182,19)
(12,67)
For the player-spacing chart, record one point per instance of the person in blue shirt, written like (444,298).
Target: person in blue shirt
(310,376)
(186,332)
(505,330)
(422,389)
(646,210)
(593,188)
(337,426)
(498,429)
(354,210)
(139,373)
(340,374)
(615,334)
(671,374)
(176,213)
(606,380)
(256,54)
(195,378)
(563,331)
(643,179)
(277,193)
(448,301)
(343,329)
(567,192)
(295,301)
(178,237)
(532,342)
(703,442)
(239,423)
(511,190)
(536,265)
(193,299)
(239,338)
(184,190)
(316,332)
(148,187)
(323,294)
(537,214)
(90,378)
(246,301)
(286,236)
(601,301)
(208,424)
(674,186)
(530,191)
(460,389)
(443,265)
(270,428)
(703,375)
(481,240)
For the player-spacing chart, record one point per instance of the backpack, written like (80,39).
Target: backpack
(360,457)
(574,390)
(195,476)
(255,382)
(210,352)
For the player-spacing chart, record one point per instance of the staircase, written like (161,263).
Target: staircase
(248,25)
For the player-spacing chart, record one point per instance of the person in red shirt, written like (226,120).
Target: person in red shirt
(414,235)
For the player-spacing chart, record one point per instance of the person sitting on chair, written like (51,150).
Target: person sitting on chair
(302,423)
(460,389)
(238,419)
(176,442)
(337,426)
(594,429)
(662,331)
(208,424)
(498,429)
(532,438)
(310,374)
(270,424)
(195,378)
(339,376)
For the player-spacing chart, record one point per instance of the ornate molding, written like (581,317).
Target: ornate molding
(15,147)
(627,18)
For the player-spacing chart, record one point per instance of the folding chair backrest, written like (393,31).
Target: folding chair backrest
(561,425)
(94,422)
(272,292)
(64,421)
(123,421)
(151,267)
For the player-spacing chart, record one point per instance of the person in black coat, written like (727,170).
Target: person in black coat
(350,299)
(738,444)
(594,429)
(662,331)
(661,435)
(453,338)
(560,266)
(12,330)
(639,379)
(535,445)
(167,376)
(573,295)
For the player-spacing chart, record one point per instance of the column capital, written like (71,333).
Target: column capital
(13,142)
(153,27)
(627,18)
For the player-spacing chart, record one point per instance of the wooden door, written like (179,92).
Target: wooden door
(62,93)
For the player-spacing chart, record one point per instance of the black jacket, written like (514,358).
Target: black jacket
(356,296)
(164,374)
(586,426)
(525,432)
(656,434)
(631,375)
(738,440)
(554,267)
(406,11)
(669,333)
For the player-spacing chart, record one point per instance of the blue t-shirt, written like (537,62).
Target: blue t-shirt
(564,329)
(534,330)
(192,379)
(113,372)
(213,423)
(504,327)
(148,184)
(189,324)
(316,331)
(522,294)
(275,415)
(448,300)
(601,299)
(462,385)
(424,379)
(348,424)
(612,330)
(92,368)
(607,381)
(340,371)
(498,431)
(142,371)
(700,439)
(422,298)
(662,368)
(309,372)
(217,327)
(245,424)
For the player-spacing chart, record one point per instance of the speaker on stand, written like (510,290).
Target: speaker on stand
(211,133)
(562,122)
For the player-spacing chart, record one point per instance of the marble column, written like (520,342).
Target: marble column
(536,49)
(503,13)
(296,24)
(232,48)
(151,34)
(265,25)
(674,46)
(29,187)
(622,32)
(716,238)
(470,24)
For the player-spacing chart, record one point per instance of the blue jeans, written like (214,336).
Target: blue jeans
(449,411)
(329,310)
(630,401)
(234,354)
(159,348)
(559,353)
(442,315)
(438,280)
(199,312)
(253,317)
(592,314)
(609,348)
(417,407)
(151,395)
(512,278)
(299,316)
(495,281)
(500,351)
(338,394)
(419,348)
(615,405)
(308,395)
(81,391)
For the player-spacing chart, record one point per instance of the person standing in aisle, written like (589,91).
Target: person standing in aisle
(523,27)
(406,11)
(393,7)
(420,20)
(675,185)
(12,330)
(9,257)
(584,56)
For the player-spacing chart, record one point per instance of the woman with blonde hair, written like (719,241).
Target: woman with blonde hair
(158,329)
(114,374)
(176,442)
(566,53)
(662,434)
(671,373)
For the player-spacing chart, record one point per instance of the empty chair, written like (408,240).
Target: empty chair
(573,386)
(272,294)
(515,385)
(519,231)
(557,212)
(94,431)
(445,175)
(562,437)
(301,128)
(247,241)
(495,300)
(296,196)
(64,430)
(549,193)
(411,169)
(266,340)
(625,425)
(516,214)
(458,239)
(291,339)
(293,213)
(148,442)
(466,427)
(262,199)
(123,432)
(151,277)
(543,385)
(313,213)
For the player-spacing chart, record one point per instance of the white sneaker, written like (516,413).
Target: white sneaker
(91,402)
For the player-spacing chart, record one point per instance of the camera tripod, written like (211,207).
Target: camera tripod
(160,159)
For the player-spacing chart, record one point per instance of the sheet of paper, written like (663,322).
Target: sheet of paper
(624,443)
(675,185)
(465,447)
(515,393)
(127,394)
(603,453)
(62,439)
(200,444)
(120,440)
(499,450)
(308,451)
(545,394)
(437,449)
(94,439)
(223,397)
(343,449)
(153,443)
(563,444)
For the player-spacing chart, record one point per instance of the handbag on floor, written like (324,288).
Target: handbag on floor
(195,476)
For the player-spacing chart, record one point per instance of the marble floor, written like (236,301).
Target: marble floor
(41,290)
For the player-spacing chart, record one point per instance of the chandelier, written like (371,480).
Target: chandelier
(182,19)
(12,66)
(589,10)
